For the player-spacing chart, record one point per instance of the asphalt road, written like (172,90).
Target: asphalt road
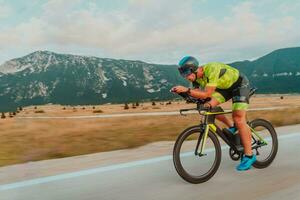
(156,179)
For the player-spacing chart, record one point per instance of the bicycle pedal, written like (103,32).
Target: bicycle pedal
(202,154)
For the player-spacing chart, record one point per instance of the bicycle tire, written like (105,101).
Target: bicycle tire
(177,162)
(268,126)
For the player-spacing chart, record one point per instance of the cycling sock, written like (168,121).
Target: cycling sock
(249,156)
(232,129)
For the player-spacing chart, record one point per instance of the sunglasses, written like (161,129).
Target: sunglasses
(184,71)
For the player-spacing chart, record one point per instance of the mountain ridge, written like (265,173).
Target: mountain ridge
(48,77)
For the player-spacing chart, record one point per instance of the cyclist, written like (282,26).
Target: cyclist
(221,83)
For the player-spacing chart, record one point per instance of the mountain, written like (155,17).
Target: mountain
(276,72)
(47,77)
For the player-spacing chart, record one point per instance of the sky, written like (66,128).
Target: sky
(155,31)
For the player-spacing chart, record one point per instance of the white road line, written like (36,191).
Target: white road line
(138,114)
(104,169)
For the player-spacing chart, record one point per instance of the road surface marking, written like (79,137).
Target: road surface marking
(105,169)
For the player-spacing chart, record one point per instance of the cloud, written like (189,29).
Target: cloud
(5,11)
(288,7)
(157,31)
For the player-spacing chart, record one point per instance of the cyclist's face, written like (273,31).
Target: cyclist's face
(191,77)
(200,72)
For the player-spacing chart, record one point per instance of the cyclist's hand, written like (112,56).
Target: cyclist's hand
(179,89)
(207,105)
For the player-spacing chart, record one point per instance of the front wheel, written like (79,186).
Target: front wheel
(265,152)
(196,168)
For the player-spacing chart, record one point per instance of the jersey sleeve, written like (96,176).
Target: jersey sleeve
(212,73)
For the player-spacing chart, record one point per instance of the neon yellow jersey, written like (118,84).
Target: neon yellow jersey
(218,75)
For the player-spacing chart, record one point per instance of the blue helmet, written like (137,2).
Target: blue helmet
(188,65)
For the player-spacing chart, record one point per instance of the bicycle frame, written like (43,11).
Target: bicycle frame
(209,125)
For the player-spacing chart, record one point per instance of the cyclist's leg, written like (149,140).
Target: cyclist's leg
(218,98)
(245,134)
(240,104)
(239,118)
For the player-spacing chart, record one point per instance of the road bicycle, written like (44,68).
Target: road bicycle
(197,151)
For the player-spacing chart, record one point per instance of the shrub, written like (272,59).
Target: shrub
(3,115)
(153,103)
(39,111)
(98,111)
(126,107)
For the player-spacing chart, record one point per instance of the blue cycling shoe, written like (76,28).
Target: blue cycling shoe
(246,163)
(232,130)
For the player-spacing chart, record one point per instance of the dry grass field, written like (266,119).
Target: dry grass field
(24,140)
(259,101)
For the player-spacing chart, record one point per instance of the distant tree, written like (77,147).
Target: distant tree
(137,104)
(14,113)
(20,108)
(169,103)
(98,111)
(10,114)
(93,107)
(64,108)
(153,103)
(3,115)
(39,111)
(281,97)
(83,108)
(126,107)
(35,107)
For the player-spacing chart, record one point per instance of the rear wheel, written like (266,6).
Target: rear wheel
(194,168)
(265,153)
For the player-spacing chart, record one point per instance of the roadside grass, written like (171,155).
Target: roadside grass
(24,140)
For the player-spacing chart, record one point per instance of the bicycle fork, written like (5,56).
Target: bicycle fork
(202,136)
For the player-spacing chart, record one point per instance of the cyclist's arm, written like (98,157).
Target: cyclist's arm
(207,92)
